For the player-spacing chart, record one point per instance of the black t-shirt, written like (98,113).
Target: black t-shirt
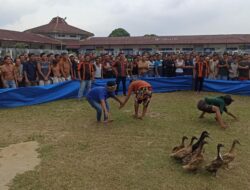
(244,72)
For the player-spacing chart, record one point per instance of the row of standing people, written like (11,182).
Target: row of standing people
(46,69)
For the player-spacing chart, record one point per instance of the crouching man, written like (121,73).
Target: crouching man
(97,98)
(143,94)
(216,105)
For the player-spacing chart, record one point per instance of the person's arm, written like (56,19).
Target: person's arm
(40,71)
(202,115)
(2,77)
(104,108)
(114,68)
(126,99)
(232,115)
(93,70)
(61,69)
(117,99)
(47,76)
(79,71)
(15,76)
(156,69)
(25,73)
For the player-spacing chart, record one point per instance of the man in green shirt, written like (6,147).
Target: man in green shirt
(216,105)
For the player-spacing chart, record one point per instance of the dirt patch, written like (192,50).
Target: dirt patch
(16,159)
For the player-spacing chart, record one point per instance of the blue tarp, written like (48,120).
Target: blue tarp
(37,95)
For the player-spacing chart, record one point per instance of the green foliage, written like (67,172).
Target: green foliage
(119,32)
(21,45)
(150,35)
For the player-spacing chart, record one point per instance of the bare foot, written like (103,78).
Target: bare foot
(140,117)
(134,116)
(108,121)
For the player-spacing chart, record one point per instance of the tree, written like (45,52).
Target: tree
(119,32)
(150,35)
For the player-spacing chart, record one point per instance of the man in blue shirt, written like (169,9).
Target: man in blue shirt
(97,98)
(30,71)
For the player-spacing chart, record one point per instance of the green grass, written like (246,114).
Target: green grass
(128,154)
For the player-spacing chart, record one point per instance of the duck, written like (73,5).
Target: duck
(181,146)
(230,156)
(184,151)
(216,164)
(203,135)
(186,159)
(196,159)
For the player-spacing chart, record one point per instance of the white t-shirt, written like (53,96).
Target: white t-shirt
(178,63)
(98,71)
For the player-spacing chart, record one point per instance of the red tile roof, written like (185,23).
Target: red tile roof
(58,25)
(8,35)
(71,44)
(169,40)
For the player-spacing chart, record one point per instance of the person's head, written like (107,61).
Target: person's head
(32,57)
(227,99)
(51,57)
(7,59)
(57,57)
(111,86)
(43,56)
(87,58)
(22,58)
(71,57)
(17,61)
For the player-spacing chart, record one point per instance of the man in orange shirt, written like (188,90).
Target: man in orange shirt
(143,94)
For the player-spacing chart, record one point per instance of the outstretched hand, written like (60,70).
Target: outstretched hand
(121,105)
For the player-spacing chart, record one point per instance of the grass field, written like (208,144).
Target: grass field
(128,154)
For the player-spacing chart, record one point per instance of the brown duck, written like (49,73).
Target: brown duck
(181,146)
(196,160)
(230,156)
(217,163)
(184,151)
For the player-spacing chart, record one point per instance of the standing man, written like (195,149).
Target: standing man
(200,72)
(8,75)
(216,105)
(120,68)
(244,71)
(65,67)
(223,67)
(44,70)
(97,98)
(143,94)
(30,71)
(86,74)
(143,66)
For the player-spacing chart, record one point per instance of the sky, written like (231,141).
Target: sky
(138,17)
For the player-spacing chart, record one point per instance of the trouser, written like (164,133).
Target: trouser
(222,77)
(67,78)
(31,83)
(97,106)
(44,82)
(57,79)
(9,84)
(123,80)
(198,84)
(85,86)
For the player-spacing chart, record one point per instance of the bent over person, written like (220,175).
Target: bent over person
(143,94)
(97,98)
(216,105)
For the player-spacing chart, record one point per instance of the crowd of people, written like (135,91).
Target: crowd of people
(31,70)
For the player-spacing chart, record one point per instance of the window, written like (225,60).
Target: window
(61,35)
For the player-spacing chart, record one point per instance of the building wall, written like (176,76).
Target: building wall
(135,49)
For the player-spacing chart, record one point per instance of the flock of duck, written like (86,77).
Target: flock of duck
(192,155)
